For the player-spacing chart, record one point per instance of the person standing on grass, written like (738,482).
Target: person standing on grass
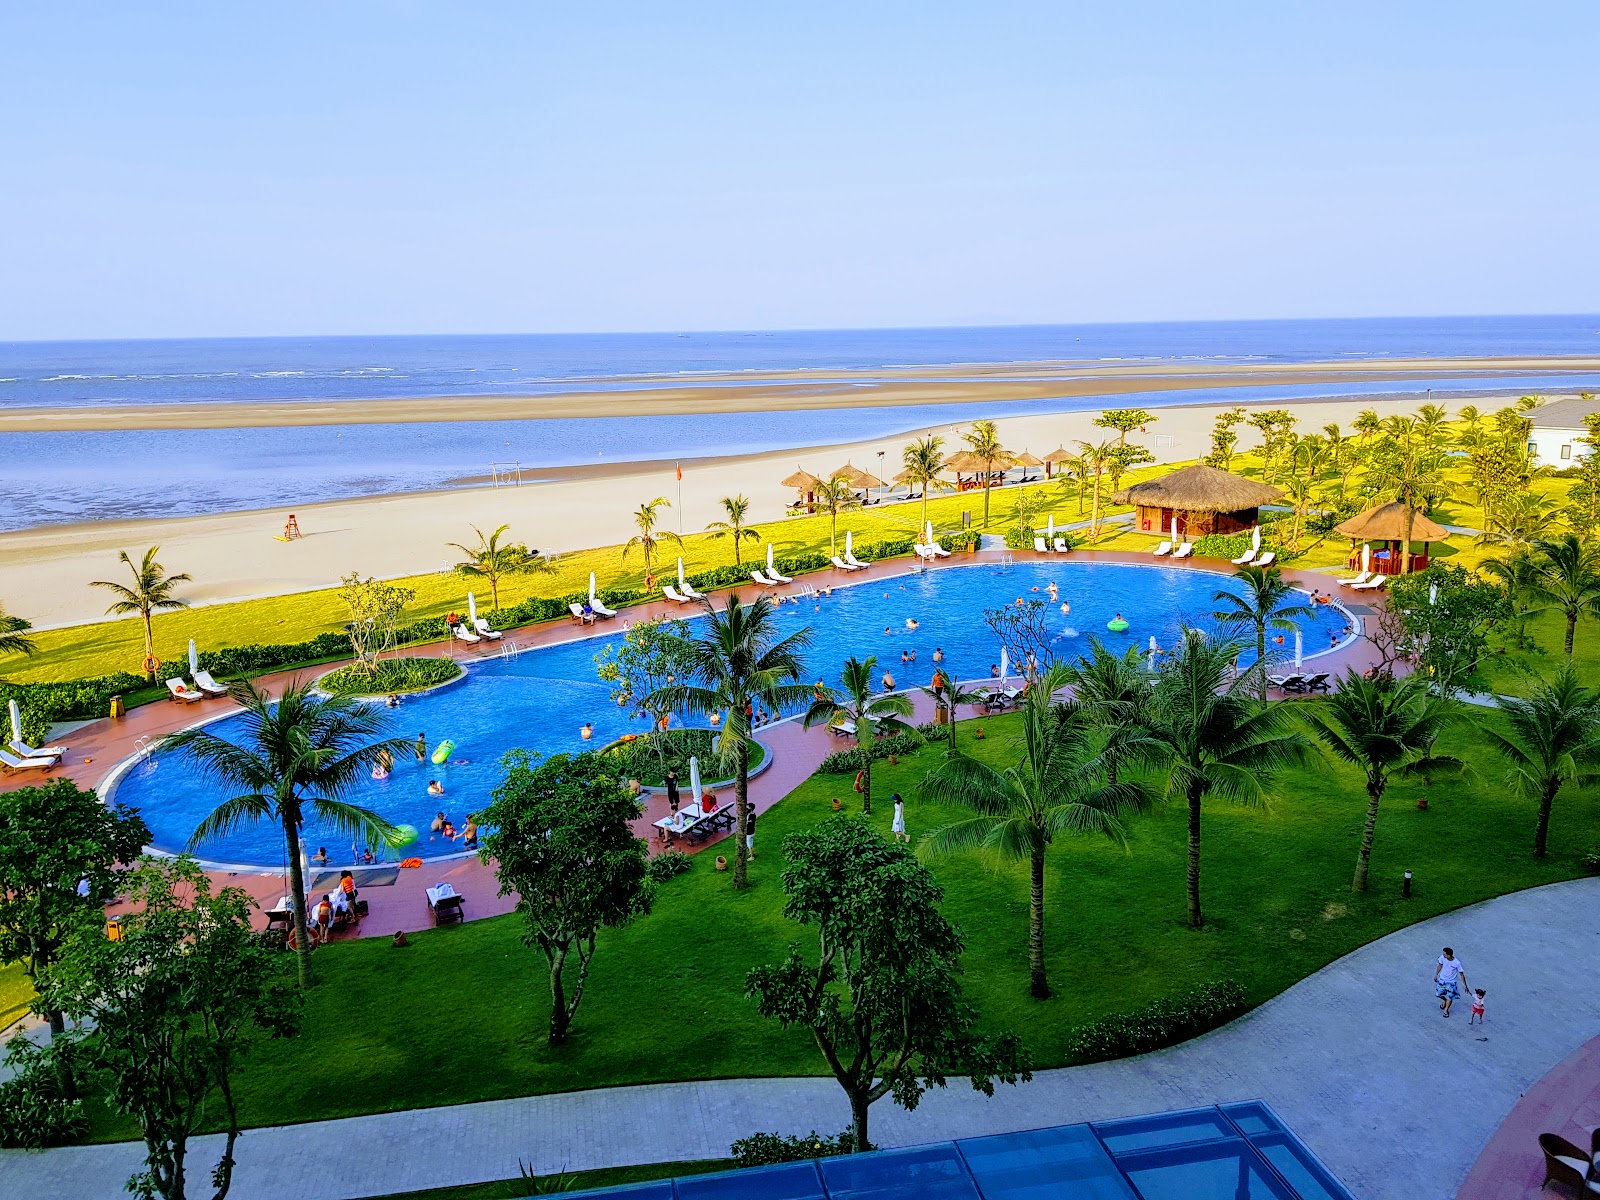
(1449,977)
(750,833)
(898,825)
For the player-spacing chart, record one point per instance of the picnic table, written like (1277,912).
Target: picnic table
(694,823)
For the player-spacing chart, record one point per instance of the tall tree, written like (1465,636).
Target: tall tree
(1059,785)
(737,510)
(13,634)
(1123,420)
(1214,739)
(1407,467)
(61,857)
(834,496)
(1096,458)
(983,442)
(151,592)
(873,716)
(167,1011)
(1566,574)
(737,662)
(883,999)
(1266,602)
(923,459)
(1116,689)
(303,753)
(561,841)
(649,539)
(375,606)
(1224,438)
(1379,726)
(493,560)
(1554,741)
(651,655)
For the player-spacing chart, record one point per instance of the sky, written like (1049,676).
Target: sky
(198,169)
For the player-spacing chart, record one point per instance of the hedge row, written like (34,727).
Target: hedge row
(392,675)
(1158,1024)
(765,1149)
(841,761)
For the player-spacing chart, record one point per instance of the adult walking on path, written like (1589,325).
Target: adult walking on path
(1449,978)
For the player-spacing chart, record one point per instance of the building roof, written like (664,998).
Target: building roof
(1199,489)
(1387,523)
(1563,414)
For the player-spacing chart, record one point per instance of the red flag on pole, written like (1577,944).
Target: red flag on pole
(680,472)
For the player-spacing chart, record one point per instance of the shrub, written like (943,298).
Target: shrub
(391,675)
(842,761)
(1591,862)
(1158,1024)
(1232,545)
(638,759)
(36,1104)
(764,1149)
(665,866)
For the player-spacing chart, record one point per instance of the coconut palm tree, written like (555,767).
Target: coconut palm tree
(1214,739)
(1058,786)
(1517,574)
(151,592)
(834,496)
(13,634)
(923,459)
(737,509)
(983,442)
(1566,573)
(1096,458)
(1071,474)
(1264,603)
(649,538)
(951,697)
(1408,467)
(874,716)
(303,753)
(737,662)
(1554,741)
(493,561)
(1114,688)
(1380,725)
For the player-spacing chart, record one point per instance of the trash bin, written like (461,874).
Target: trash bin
(118,709)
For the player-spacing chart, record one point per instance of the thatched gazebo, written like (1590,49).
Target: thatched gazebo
(857,478)
(806,484)
(1059,455)
(1201,499)
(967,463)
(1387,524)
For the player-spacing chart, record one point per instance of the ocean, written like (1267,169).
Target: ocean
(57,477)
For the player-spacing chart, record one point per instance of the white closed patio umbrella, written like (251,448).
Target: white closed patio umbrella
(1366,557)
(681,584)
(1153,648)
(1299,649)
(472,609)
(591,585)
(929,530)
(1255,539)
(16,721)
(1174,529)
(1005,664)
(849,545)
(694,779)
(1050,527)
(194,659)
(770,567)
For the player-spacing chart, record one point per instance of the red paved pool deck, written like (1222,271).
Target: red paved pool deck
(1565,1102)
(97,748)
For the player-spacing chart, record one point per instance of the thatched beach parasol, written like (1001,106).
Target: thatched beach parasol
(856,477)
(802,480)
(1059,455)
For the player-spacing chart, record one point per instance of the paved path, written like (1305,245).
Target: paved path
(1396,1100)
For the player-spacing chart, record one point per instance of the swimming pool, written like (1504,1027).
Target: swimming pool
(539,700)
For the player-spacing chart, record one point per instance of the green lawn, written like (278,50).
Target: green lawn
(1515,671)
(16,993)
(517,1189)
(460,1014)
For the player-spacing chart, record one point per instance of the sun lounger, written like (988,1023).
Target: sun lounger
(844,566)
(1377,581)
(579,615)
(843,727)
(11,762)
(208,685)
(1318,682)
(937,550)
(1183,551)
(445,904)
(855,562)
(1357,581)
(462,634)
(23,750)
(483,629)
(182,691)
(1288,683)
(773,575)
(1266,559)
(925,553)
(1062,547)
(1243,558)
(1164,549)
(672,593)
(686,590)
(762,579)
(600,610)
(1039,546)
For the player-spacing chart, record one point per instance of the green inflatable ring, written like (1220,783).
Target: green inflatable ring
(1117,625)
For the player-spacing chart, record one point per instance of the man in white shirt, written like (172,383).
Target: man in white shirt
(1449,977)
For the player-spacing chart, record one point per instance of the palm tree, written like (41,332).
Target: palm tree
(737,662)
(951,697)
(1070,475)
(1300,492)
(303,752)
(923,459)
(151,592)
(1517,575)
(1095,461)
(738,510)
(13,634)
(874,716)
(1214,738)
(1379,725)
(1566,572)
(649,539)
(1115,688)
(492,561)
(1058,786)
(1263,604)
(1554,741)
(984,444)
(1409,467)
(834,496)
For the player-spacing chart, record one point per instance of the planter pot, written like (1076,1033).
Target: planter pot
(722,863)
(1422,804)
(837,805)
(894,760)
(978,734)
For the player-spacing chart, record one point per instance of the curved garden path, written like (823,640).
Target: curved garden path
(1397,1101)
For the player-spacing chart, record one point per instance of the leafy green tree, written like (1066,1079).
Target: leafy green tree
(1116,689)
(1215,741)
(1554,741)
(952,696)
(1123,459)
(1515,576)
(1379,726)
(61,854)
(739,661)
(651,655)
(1566,574)
(493,560)
(874,716)
(167,1012)
(983,443)
(1407,467)
(1276,427)
(1123,420)
(834,496)
(1059,785)
(1224,438)
(883,998)
(13,634)
(561,841)
(1440,620)
(737,510)
(923,459)
(303,753)
(649,539)
(150,593)
(1265,603)
(375,606)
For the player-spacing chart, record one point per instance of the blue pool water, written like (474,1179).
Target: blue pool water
(539,700)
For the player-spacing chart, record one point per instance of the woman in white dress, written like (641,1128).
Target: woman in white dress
(898,826)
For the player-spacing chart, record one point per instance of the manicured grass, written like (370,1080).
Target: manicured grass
(517,1189)
(460,1014)
(16,993)
(1516,671)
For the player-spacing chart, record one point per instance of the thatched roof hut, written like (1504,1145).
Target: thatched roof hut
(1196,501)
(1027,460)
(1387,523)
(856,477)
(802,480)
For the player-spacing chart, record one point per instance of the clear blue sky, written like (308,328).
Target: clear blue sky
(174,169)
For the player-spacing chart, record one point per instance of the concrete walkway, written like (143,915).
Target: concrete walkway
(1397,1101)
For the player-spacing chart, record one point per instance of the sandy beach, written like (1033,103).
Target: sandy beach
(233,556)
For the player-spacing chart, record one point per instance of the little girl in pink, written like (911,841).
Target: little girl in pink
(1477,1007)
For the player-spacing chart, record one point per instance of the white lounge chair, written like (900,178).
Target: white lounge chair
(925,553)
(22,748)
(182,691)
(844,566)
(762,579)
(937,550)
(686,590)
(600,610)
(40,763)
(1183,551)
(482,626)
(579,615)
(672,593)
(1062,547)
(1243,558)
(772,574)
(1357,581)
(843,727)
(1266,559)
(849,557)
(1162,550)
(462,634)
(208,685)
(1377,581)
(1294,682)
(1039,547)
